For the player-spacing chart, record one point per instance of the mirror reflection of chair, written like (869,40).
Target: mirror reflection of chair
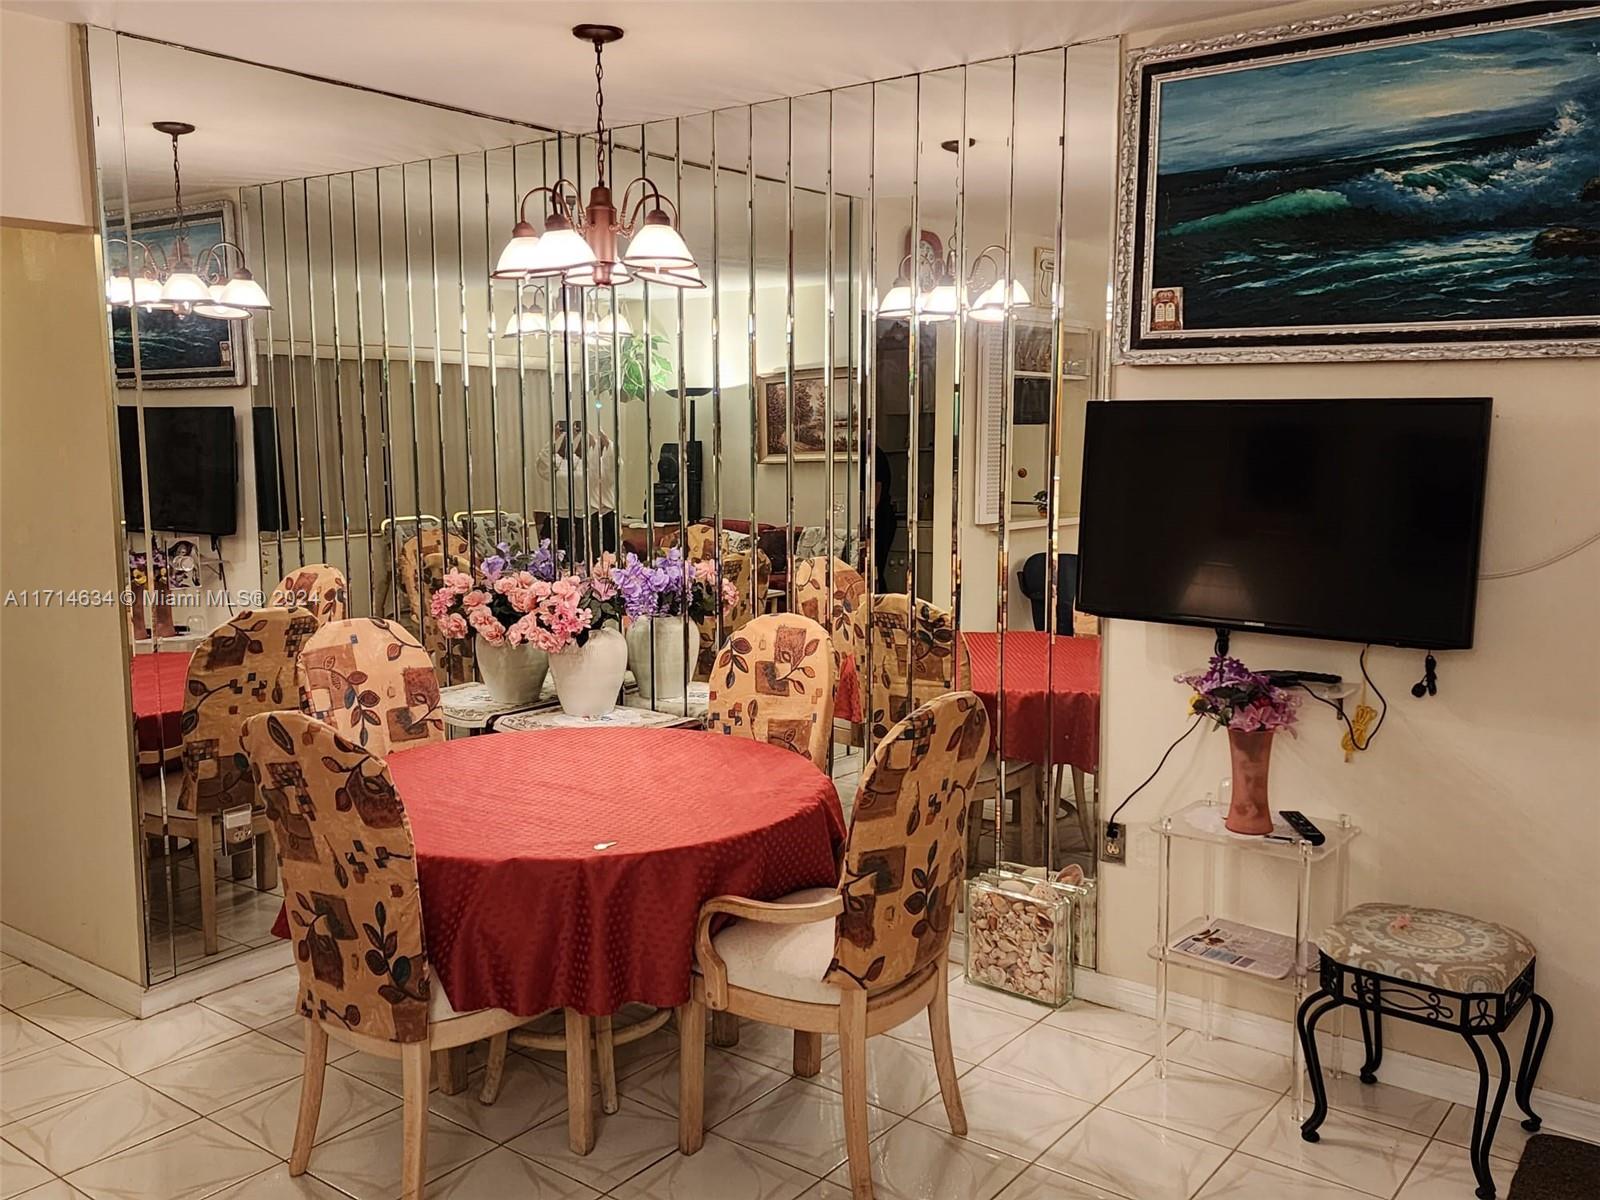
(320,587)
(773,682)
(487,528)
(372,681)
(736,567)
(425,558)
(845,615)
(243,667)
(365,979)
(860,959)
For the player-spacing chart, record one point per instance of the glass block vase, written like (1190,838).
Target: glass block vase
(1019,937)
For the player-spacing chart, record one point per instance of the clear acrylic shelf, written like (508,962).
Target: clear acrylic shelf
(1204,822)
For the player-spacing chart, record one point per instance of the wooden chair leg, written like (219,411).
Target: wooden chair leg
(691,1076)
(494,1072)
(853,1082)
(724,1029)
(314,1071)
(580,1082)
(266,863)
(450,1068)
(807,1053)
(414,1063)
(205,861)
(944,1060)
(1080,801)
(605,1058)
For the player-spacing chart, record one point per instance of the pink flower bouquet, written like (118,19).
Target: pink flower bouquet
(518,607)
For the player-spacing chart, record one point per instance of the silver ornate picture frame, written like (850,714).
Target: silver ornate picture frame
(1330,216)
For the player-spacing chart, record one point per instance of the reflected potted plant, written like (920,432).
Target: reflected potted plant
(1252,709)
(665,601)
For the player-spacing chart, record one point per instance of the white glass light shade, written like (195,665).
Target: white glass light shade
(604,330)
(119,289)
(519,254)
(584,276)
(221,312)
(940,304)
(678,277)
(657,245)
(146,291)
(242,291)
(991,303)
(185,287)
(528,321)
(560,250)
(896,304)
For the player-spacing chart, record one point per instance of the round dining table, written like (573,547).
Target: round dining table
(1051,696)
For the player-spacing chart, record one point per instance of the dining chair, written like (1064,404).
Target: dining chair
(910,663)
(702,542)
(486,528)
(845,614)
(355,914)
(425,557)
(320,587)
(373,682)
(861,958)
(736,568)
(773,682)
(243,667)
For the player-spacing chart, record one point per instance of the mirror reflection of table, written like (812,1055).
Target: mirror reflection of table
(472,707)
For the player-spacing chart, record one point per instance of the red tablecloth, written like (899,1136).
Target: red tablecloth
(520,909)
(158,681)
(1067,685)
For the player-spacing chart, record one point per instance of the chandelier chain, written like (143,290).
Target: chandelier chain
(177,183)
(599,112)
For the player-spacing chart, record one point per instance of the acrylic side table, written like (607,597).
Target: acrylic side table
(1201,825)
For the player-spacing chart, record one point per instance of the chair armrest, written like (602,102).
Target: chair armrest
(712,968)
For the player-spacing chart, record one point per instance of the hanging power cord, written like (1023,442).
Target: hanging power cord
(1338,706)
(1111,822)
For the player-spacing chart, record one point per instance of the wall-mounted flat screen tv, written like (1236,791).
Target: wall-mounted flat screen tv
(193,475)
(1357,520)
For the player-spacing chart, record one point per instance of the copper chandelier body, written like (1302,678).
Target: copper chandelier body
(581,243)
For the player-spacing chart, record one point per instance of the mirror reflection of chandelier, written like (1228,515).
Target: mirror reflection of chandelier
(582,248)
(183,284)
(942,302)
(587,320)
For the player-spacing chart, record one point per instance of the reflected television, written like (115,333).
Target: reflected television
(1355,520)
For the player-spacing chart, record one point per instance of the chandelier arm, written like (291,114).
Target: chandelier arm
(629,220)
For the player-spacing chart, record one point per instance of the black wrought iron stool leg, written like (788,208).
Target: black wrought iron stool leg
(1484,1123)
(1539,1022)
(1372,1034)
(1306,1024)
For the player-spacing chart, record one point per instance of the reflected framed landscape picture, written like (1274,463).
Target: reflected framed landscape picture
(1421,181)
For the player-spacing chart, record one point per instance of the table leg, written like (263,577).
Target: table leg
(1030,797)
(605,1054)
(724,1029)
(450,1069)
(580,1082)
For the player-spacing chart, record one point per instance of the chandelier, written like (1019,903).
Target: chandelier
(942,302)
(593,325)
(581,247)
(183,284)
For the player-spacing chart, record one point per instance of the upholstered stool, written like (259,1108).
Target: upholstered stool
(1435,968)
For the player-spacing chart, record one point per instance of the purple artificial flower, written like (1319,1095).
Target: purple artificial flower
(544,562)
(1235,697)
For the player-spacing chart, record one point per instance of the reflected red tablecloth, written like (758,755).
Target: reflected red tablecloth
(1067,682)
(847,691)
(522,912)
(158,681)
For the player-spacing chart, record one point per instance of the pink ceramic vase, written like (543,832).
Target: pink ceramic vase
(1248,810)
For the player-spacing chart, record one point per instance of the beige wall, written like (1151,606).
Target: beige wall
(1482,799)
(67,867)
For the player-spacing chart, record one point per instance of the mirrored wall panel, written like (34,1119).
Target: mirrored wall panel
(382,362)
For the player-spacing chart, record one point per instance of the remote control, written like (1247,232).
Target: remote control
(1302,825)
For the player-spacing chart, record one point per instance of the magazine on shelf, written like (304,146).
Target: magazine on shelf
(1242,947)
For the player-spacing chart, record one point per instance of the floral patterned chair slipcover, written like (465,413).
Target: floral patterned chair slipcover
(479,527)
(702,543)
(243,667)
(773,681)
(320,587)
(909,666)
(846,616)
(863,957)
(355,916)
(424,559)
(735,570)
(373,683)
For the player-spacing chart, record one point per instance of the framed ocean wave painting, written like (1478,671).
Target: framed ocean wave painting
(1420,181)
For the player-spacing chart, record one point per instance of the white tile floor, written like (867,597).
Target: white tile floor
(201,1102)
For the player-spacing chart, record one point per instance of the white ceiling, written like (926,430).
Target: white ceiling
(518,60)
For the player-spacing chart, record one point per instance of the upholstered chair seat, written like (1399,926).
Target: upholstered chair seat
(788,961)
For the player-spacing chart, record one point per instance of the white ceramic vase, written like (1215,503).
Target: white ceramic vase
(513,674)
(589,677)
(674,659)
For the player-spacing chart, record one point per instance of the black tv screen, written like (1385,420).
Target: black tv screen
(193,478)
(1356,520)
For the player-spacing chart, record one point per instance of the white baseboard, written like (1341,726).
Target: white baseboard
(1561,1114)
(134,998)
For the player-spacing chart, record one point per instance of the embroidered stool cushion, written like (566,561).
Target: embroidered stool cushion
(1428,946)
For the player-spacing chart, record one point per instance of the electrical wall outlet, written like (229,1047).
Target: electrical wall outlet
(1114,848)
